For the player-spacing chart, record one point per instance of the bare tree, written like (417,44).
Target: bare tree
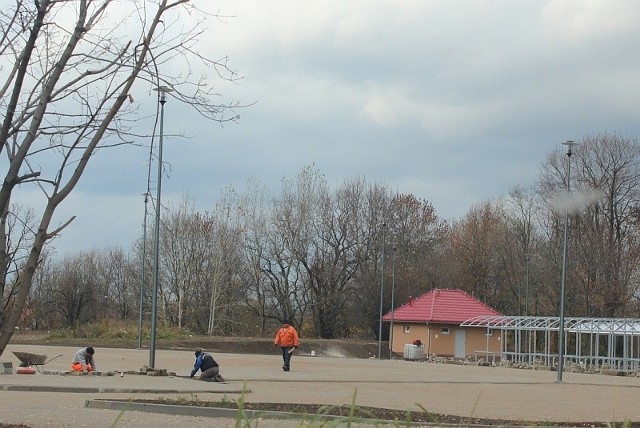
(610,164)
(185,255)
(522,246)
(604,244)
(67,74)
(479,268)
(75,293)
(36,312)
(365,309)
(119,276)
(224,290)
(253,211)
(418,236)
(333,256)
(288,242)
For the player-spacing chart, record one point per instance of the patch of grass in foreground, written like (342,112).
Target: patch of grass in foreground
(353,413)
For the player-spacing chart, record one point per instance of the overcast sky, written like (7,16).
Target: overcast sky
(452,101)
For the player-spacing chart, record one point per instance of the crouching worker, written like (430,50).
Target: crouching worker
(83,360)
(209,367)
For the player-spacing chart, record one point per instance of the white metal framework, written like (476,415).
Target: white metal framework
(590,342)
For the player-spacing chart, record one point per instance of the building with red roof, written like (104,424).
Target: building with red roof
(434,321)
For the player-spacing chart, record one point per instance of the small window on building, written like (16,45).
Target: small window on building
(407,328)
(489,332)
(445,330)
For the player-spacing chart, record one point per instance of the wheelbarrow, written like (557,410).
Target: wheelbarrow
(27,359)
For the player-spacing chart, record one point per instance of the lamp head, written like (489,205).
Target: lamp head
(570,144)
(163,90)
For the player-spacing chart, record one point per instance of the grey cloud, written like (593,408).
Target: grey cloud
(454,102)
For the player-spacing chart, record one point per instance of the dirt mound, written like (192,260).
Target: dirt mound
(342,348)
(318,347)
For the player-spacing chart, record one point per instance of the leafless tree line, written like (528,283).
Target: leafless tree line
(309,253)
(314,255)
(68,70)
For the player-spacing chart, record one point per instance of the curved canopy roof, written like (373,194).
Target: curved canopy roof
(581,325)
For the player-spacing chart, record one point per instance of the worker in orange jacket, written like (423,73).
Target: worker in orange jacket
(287,339)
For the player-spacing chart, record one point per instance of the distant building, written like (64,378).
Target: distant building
(434,320)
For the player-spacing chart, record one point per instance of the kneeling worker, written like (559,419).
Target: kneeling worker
(83,360)
(209,367)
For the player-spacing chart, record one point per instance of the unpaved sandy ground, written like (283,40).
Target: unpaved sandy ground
(483,392)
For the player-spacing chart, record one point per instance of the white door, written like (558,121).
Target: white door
(461,344)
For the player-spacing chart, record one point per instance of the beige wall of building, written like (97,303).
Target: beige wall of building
(440,339)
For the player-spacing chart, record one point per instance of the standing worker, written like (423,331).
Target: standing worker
(287,339)
(83,360)
(209,367)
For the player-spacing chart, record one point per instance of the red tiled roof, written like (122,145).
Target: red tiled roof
(441,306)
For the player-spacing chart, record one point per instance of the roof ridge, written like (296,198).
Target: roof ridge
(436,291)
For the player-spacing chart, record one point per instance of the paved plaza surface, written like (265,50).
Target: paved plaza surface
(56,400)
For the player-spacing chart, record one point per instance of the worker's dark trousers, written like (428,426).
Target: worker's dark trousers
(209,375)
(286,357)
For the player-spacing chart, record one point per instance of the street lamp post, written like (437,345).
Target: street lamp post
(526,292)
(393,292)
(384,226)
(162,90)
(519,298)
(142,270)
(569,145)
(526,307)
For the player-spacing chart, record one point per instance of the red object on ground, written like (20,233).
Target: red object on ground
(26,370)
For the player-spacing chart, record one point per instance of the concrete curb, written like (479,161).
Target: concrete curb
(247,414)
(90,390)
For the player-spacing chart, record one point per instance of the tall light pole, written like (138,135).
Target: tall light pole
(384,226)
(526,305)
(393,293)
(569,145)
(162,90)
(519,298)
(142,271)
(526,292)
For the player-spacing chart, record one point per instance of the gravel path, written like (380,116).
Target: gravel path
(54,400)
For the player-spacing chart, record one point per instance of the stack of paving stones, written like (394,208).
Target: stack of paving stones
(72,373)
(7,368)
(144,371)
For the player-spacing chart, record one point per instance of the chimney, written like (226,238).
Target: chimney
(410,300)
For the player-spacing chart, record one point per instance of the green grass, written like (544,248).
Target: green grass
(116,332)
(324,415)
